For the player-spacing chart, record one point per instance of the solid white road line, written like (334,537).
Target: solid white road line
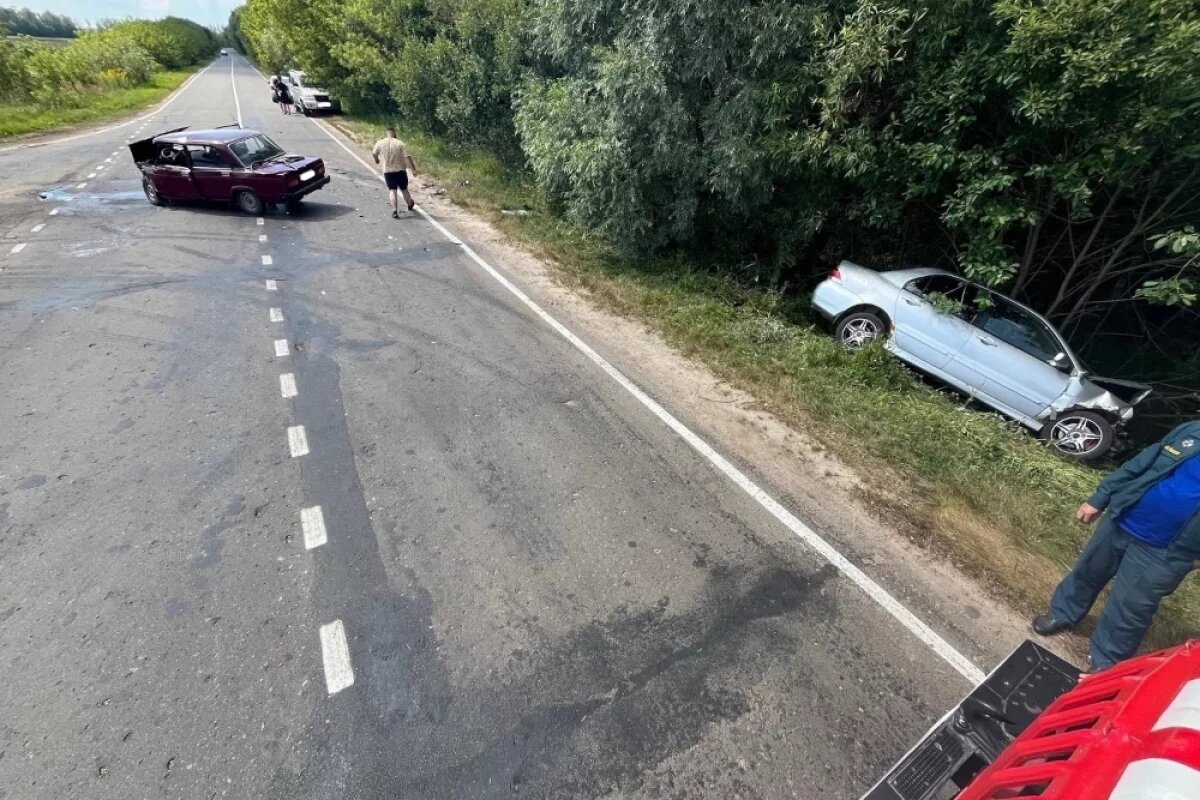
(335,654)
(287,385)
(276,314)
(267,261)
(281,348)
(271,285)
(16,248)
(297,441)
(37,228)
(170,99)
(312,522)
(237,104)
(898,610)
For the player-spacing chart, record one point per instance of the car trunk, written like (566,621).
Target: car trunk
(1129,391)
(145,150)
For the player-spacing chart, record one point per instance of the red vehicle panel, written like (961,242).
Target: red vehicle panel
(232,165)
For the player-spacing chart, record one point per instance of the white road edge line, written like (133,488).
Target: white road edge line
(237,104)
(287,385)
(16,248)
(312,522)
(877,593)
(170,99)
(276,314)
(335,655)
(297,441)
(281,348)
(267,261)
(271,285)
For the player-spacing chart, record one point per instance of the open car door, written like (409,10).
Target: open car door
(145,150)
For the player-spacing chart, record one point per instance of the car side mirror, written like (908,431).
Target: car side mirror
(1060,362)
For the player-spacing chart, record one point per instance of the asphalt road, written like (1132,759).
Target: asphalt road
(544,591)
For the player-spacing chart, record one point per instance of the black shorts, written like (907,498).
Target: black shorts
(396,180)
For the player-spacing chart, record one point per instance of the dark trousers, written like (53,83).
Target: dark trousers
(1141,577)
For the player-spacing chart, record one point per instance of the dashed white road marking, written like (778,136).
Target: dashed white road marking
(54,212)
(271,285)
(37,228)
(262,238)
(297,441)
(335,654)
(260,221)
(287,385)
(82,185)
(312,522)
(91,175)
(115,152)
(108,160)
(16,248)
(267,261)
(281,348)
(276,314)
(864,582)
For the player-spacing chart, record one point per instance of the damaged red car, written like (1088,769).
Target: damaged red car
(228,165)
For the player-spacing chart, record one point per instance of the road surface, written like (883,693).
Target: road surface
(487,570)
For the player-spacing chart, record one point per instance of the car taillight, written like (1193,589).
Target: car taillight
(293,181)
(321,169)
(836,275)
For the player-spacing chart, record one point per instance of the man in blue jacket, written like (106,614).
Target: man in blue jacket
(1147,541)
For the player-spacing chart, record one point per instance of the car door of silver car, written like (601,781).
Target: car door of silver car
(925,335)
(1022,362)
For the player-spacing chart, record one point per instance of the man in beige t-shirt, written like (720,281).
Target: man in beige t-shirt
(394,156)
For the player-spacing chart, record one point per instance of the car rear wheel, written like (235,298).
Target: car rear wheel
(1080,435)
(855,331)
(249,202)
(152,194)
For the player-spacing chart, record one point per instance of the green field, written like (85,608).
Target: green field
(16,120)
(976,488)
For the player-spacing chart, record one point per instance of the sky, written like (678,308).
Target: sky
(207,12)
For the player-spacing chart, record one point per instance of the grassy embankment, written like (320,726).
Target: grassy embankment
(981,491)
(91,107)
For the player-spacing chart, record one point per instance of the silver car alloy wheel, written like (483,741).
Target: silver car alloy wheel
(1076,435)
(859,333)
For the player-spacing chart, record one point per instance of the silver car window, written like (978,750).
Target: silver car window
(1019,328)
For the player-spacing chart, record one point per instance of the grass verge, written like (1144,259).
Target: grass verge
(985,493)
(92,107)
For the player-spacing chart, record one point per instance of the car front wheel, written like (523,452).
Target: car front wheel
(1080,435)
(249,202)
(855,331)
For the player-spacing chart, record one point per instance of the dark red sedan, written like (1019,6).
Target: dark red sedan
(232,165)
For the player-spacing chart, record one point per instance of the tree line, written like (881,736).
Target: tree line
(23,22)
(115,55)
(1050,148)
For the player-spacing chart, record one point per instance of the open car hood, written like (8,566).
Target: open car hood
(145,149)
(1129,391)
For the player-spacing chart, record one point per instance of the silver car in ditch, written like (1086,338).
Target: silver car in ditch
(984,344)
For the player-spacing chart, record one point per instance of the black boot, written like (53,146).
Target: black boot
(1046,625)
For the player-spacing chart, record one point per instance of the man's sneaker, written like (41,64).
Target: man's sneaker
(412,204)
(395,214)
(1046,625)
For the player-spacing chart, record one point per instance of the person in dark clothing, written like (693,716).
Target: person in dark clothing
(281,94)
(1147,542)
